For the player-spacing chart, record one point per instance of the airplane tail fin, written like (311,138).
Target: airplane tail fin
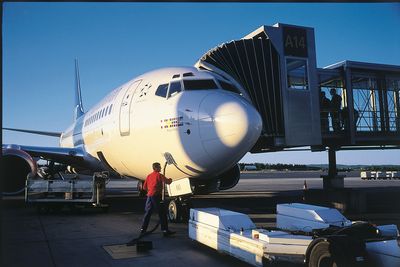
(78,97)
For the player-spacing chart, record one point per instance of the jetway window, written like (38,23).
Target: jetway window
(162,90)
(297,74)
(199,84)
(367,97)
(393,101)
(332,102)
(174,88)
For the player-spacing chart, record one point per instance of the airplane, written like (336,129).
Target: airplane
(196,120)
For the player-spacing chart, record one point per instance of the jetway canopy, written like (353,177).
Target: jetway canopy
(275,68)
(254,63)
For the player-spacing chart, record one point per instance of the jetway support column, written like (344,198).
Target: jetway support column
(332,180)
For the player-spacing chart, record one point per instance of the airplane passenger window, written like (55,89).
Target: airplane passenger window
(109,112)
(199,84)
(162,90)
(174,88)
(229,87)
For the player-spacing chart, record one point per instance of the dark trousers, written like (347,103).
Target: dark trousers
(153,204)
(336,121)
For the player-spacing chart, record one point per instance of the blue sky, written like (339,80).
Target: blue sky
(115,42)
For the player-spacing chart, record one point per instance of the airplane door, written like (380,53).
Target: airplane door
(124,114)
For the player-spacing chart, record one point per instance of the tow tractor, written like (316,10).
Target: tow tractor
(306,234)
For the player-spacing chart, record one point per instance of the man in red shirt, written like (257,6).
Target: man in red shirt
(153,185)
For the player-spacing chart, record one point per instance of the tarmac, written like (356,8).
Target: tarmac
(86,237)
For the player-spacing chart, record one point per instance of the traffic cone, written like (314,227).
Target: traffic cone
(305,185)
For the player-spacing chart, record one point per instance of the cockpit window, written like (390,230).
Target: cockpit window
(174,88)
(162,90)
(188,74)
(199,84)
(229,87)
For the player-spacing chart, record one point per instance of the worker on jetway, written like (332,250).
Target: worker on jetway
(154,185)
(336,105)
(325,105)
(346,119)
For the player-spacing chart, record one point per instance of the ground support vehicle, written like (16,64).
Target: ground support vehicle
(67,189)
(380,175)
(313,235)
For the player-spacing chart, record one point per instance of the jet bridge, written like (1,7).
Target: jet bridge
(369,113)
(275,68)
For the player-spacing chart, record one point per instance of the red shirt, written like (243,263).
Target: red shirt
(153,183)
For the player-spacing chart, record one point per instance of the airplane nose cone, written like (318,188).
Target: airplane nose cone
(229,126)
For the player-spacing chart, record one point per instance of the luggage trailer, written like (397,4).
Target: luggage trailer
(67,190)
(306,234)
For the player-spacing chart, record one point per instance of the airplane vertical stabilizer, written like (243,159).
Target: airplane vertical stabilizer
(78,109)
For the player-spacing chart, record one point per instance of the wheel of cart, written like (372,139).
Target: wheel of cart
(336,251)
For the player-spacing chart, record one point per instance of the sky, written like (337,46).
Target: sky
(115,42)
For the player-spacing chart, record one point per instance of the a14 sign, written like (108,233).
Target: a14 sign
(295,42)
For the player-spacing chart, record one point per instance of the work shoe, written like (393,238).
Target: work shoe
(168,233)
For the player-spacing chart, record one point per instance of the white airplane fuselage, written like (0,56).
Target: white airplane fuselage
(207,131)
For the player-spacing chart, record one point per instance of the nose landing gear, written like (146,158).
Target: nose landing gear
(178,210)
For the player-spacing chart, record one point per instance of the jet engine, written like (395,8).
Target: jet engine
(230,178)
(17,165)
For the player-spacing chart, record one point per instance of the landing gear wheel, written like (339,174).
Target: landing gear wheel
(141,191)
(174,211)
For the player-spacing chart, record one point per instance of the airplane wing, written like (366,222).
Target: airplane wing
(70,156)
(54,134)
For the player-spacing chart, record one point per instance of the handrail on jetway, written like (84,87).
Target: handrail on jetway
(275,68)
